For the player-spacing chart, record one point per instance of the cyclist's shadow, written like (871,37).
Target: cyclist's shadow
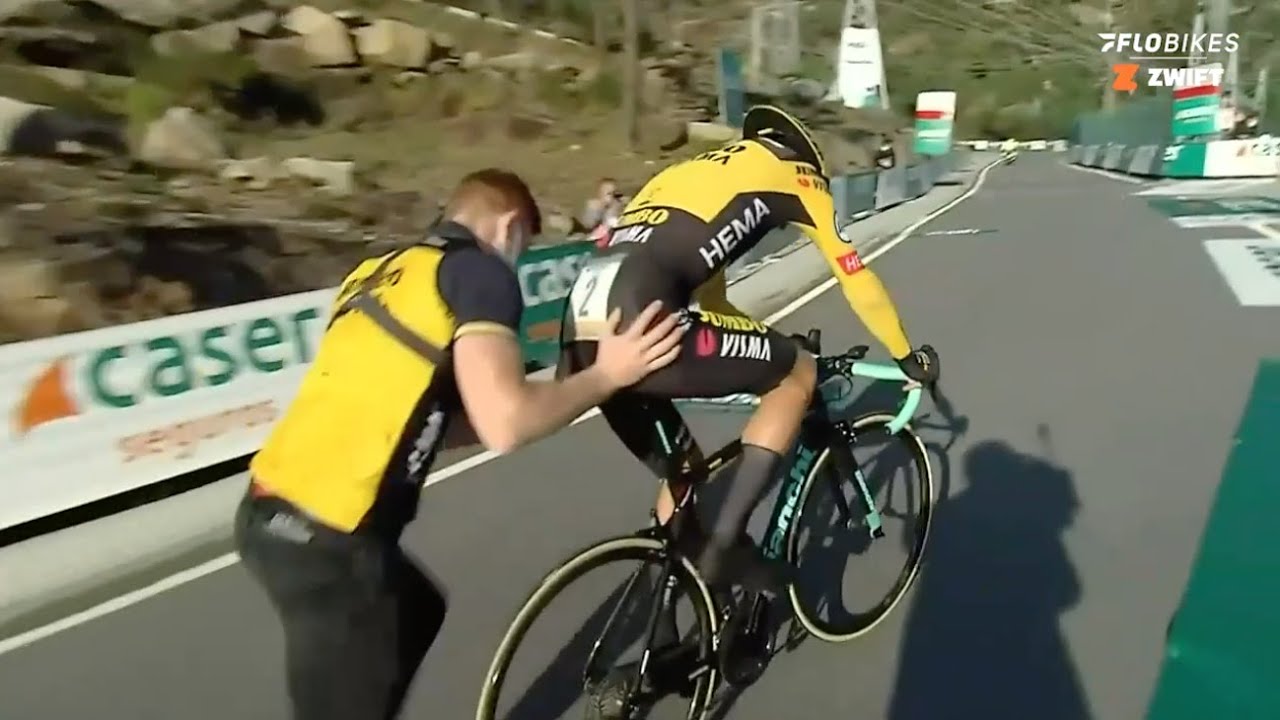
(982,637)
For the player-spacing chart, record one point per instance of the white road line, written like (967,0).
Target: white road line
(1264,230)
(1108,174)
(225,561)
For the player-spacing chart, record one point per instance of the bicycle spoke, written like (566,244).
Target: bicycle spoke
(613,629)
(623,601)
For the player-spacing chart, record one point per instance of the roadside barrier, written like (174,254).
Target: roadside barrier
(1255,157)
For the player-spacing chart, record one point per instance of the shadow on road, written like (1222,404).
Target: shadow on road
(982,638)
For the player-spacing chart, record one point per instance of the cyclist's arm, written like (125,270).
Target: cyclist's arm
(861,287)
(506,409)
(713,296)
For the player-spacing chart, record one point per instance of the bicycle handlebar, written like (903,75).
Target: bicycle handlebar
(876,371)
(847,364)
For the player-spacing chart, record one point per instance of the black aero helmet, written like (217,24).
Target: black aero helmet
(767,122)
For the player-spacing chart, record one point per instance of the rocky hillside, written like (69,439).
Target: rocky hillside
(171,155)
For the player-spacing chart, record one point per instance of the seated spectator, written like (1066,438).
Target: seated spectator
(884,154)
(602,211)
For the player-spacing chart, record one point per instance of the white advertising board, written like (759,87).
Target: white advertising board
(861,68)
(98,413)
(1254,157)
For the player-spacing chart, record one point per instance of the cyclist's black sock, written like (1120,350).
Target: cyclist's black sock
(752,473)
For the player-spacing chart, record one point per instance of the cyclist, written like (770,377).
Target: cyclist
(1009,149)
(673,243)
(415,336)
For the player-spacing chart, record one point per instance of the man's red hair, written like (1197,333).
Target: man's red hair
(495,191)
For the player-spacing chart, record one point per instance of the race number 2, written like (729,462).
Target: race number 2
(589,298)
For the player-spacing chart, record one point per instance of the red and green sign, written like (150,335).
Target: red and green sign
(1195,110)
(935,121)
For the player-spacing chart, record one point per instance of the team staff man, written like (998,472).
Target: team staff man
(415,336)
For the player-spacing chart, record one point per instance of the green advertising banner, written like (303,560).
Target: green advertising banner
(1195,111)
(546,275)
(1220,658)
(732,91)
(1184,161)
(935,122)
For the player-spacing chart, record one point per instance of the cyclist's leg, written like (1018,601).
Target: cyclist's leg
(650,427)
(723,355)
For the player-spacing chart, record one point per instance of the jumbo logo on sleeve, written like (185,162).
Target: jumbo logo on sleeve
(637,226)
(148,368)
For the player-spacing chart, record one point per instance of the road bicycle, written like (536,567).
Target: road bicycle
(732,639)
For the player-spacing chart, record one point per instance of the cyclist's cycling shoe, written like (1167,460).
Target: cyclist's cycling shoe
(744,564)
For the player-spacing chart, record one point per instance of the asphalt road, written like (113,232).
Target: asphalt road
(1102,364)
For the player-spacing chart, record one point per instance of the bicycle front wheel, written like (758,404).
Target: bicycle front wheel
(643,554)
(899,482)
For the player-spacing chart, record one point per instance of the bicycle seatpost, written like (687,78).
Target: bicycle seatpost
(813,341)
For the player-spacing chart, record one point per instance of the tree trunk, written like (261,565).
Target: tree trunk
(631,72)
(600,17)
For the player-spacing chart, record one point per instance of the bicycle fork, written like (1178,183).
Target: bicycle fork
(846,466)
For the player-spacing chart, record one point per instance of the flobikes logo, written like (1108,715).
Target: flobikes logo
(1175,45)
(1191,48)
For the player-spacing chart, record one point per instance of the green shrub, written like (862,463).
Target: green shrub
(605,88)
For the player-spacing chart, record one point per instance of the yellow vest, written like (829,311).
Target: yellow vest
(389,331)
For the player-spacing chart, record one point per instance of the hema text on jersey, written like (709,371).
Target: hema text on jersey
(717,250)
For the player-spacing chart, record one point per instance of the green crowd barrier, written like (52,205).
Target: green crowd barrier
(547,272)
(1245,158)
(1221,658)
(1143,121)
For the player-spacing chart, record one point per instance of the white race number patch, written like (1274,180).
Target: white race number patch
(589,298)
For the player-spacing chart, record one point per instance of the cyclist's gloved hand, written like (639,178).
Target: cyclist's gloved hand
(921,365)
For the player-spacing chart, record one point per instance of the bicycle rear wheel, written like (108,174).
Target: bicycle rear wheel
(632,549)
(822,481)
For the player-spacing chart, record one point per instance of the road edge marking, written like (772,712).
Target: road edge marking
(1262,229)
(1108,174)
(120,602)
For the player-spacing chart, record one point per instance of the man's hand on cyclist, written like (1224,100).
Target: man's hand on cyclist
(921,365)
(624,358)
